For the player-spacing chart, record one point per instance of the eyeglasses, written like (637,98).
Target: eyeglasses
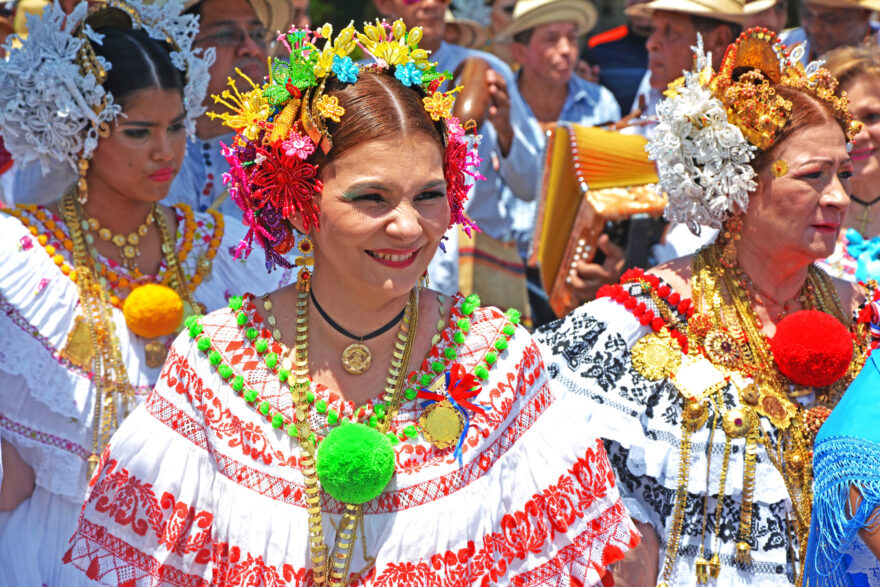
(234,37)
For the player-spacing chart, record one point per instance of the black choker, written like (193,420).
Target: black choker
(356,358)
(864,203)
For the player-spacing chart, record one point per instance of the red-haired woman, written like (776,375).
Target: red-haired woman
(359,428)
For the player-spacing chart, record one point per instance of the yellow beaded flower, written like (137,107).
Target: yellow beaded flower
(329,107)
(249,111)
(439,105)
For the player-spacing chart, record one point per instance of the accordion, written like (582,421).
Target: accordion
(595,181)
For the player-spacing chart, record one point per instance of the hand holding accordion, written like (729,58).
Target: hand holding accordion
(591,176)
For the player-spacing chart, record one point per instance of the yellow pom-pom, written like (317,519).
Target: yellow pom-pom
(153,310)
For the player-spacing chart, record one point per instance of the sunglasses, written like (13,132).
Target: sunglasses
(234,37)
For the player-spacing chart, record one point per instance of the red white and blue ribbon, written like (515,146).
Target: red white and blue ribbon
(461,388)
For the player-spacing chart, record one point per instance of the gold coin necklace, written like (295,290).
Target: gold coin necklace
(356,357)
(127,244)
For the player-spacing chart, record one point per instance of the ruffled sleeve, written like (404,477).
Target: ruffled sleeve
(847,457)
(197,485)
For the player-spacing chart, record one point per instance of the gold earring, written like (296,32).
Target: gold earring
(732,228)
(82,191)
(305,261)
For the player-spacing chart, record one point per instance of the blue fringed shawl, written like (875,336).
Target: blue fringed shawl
(847,454)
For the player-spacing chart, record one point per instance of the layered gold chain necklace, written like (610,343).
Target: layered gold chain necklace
(332,567)
(94,333)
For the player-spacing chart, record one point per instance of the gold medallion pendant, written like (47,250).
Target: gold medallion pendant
(357,358)
(441,424)
(655,357)
(78,348)
(155,354)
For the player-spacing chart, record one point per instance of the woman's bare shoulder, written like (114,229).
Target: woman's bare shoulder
(676,273)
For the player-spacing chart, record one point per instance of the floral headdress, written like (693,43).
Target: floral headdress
(712,124)
(52,103)
(281,123)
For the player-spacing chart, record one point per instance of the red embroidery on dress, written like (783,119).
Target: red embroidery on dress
(524,533)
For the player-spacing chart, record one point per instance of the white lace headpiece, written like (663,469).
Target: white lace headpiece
(702,159)
(52,105)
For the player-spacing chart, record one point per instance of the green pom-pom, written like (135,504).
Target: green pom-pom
(467,309)
(491,357)
(241,318)
(291,431)
(332,417)
(473,299)
(373,421)
(411,431)
(392,438)
(204,343)
(449,353)
(458,337)
(214,358)
(190,320)
(411,393)
(261,345)
(310,396)
(250,396)
(426,379)
(500,344)
(321,406)
(283,374)
(235,303)
(264,408)
(252,333)
(508,329)
(464,324)
(379,410)
(238,383)
(481,372)
(355,463)
(195,330)
(277,421)
(438,367)
(271,360)
(513,315)
(225,371)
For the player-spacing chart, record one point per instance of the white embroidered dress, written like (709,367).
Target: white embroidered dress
(46,401)
(197,486)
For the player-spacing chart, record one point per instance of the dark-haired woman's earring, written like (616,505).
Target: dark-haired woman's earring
(424,281)
(82,189)
(305,261)
(731,234)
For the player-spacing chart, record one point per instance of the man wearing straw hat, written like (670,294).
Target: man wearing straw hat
(829,24)
(545,37)
(240,32)
(675,24)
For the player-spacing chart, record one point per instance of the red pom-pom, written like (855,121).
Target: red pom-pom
(674,298)
(657,324)
(812,348)
(663,291)
(630,303)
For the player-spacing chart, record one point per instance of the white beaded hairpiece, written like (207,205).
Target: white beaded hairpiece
(702,158)
(52,105)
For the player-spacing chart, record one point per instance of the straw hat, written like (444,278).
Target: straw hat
(866,4)
(727,10)
(529,14)
(276,15)
(465,32)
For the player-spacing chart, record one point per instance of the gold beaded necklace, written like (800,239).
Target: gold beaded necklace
(127,244)
(332,568)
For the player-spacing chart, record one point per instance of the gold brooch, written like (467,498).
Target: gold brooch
(656,356)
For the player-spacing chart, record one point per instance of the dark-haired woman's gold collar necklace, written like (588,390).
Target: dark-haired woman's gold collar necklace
(865,217)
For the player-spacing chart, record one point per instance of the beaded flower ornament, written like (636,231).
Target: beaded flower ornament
(280,124)
(52,103)
(712,124)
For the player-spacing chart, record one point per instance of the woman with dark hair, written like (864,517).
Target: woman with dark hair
(708,376)
(358,428)
(94,287)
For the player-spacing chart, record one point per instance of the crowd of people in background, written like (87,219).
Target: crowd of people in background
(669,371)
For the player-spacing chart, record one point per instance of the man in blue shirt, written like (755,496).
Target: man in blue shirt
(829,24)
(545,44)
(509,146)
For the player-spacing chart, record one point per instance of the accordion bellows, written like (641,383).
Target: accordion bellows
(591,176)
